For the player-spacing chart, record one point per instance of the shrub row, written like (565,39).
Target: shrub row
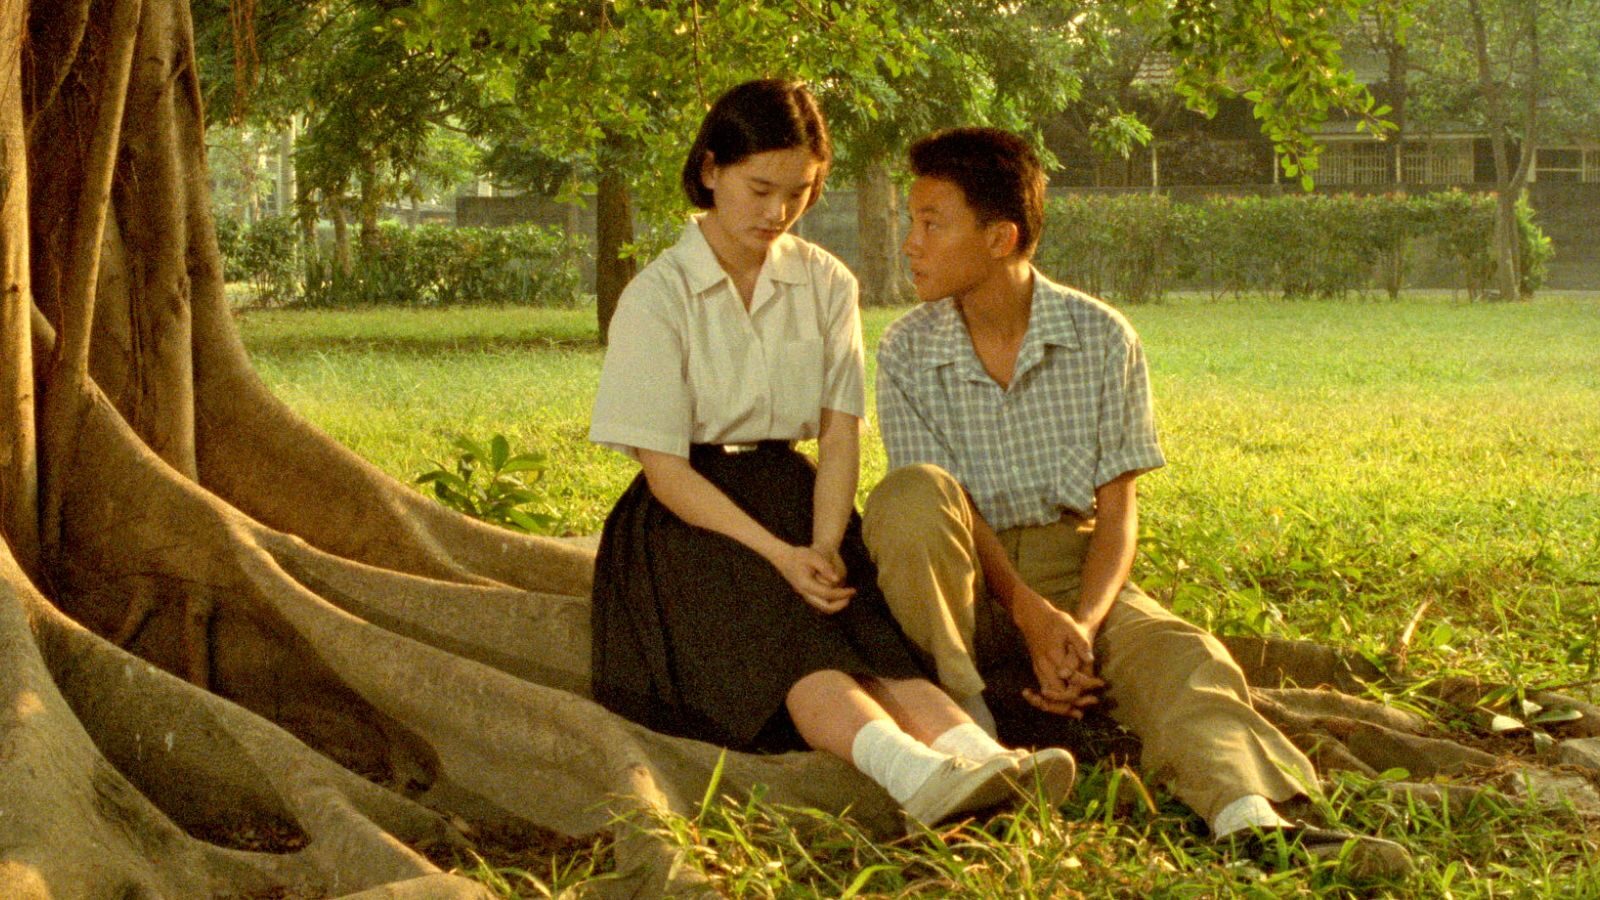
(266,256)
(429,265)
(1136,247)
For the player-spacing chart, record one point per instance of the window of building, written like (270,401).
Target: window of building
(1437,161)
(1566,164)
(1357,162)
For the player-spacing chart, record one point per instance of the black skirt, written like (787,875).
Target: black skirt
(696,635)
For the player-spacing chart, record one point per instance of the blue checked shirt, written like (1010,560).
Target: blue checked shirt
(1077,414)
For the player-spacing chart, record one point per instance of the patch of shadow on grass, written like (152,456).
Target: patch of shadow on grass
(421,345)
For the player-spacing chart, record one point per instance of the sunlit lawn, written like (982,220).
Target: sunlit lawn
(1332,465)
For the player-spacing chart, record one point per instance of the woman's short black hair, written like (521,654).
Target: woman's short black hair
(997,171)
(755,117)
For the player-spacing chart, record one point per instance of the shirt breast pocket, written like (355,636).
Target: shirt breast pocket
(797,371)
(1076,450)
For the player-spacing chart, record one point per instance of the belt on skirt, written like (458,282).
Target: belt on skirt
(751,447)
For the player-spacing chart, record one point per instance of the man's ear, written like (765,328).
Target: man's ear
(1002,237)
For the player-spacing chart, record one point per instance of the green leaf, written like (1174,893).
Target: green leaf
(470,448)
(1556,716)
(524,521)
(864,876)
(526,462)
(499,450)
(711,787)
(517,496)
(450,480)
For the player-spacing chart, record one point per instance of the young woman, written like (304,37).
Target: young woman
(734,601)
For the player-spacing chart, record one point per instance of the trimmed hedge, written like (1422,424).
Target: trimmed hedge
(438,265)
(429,265)
(265,255)
(1132,248)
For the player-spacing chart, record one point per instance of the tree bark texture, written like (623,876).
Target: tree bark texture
(370,201)
(321,619)
(19,473)
(613,229)
(343,259)
(1511,176)
(878,224)
(236,624)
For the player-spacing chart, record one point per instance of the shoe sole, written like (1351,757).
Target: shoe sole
(1049,773)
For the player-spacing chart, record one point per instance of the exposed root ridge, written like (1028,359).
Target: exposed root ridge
(104,734)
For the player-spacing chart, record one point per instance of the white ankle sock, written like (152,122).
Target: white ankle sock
(1249,811)
(970,741)
(894,759)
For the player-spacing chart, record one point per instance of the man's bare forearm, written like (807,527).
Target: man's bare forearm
(1112,547)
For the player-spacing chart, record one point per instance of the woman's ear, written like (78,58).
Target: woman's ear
(1002,237)
(708,172)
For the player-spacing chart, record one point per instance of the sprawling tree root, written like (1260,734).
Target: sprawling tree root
(92,733)
(468,698)
(1309,692)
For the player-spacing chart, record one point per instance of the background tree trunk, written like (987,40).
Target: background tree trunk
(370,201)
(343,259)
(878,223)
(1511,177)
(613,229)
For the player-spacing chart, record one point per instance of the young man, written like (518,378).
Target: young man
(1016,413)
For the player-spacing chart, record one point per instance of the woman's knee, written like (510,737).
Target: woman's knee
(820,683)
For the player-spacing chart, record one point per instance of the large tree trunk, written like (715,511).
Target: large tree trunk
(613,229)
(19,476)
(361,668)
(328,619)
(878,224)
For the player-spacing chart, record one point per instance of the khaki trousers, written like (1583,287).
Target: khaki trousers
(1169,682)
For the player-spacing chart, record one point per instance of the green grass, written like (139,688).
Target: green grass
(1332,466)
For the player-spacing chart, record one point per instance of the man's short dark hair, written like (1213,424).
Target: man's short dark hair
(756,117)
(997,171)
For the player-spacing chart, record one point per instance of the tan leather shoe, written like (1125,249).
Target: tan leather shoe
(959,786)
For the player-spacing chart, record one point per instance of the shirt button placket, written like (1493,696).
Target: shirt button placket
(1009,438)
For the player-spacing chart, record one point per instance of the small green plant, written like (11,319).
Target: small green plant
(491,483)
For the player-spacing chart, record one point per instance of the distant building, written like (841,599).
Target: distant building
(1191,155)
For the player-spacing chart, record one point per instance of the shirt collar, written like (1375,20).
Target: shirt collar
(1049,322)
(1051,318)
(784,264)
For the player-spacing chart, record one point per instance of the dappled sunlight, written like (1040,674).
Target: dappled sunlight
(23,881)
(27,705)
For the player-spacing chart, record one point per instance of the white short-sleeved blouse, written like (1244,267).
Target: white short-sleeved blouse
(687,364)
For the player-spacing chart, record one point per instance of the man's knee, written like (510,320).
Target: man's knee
(908,502)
